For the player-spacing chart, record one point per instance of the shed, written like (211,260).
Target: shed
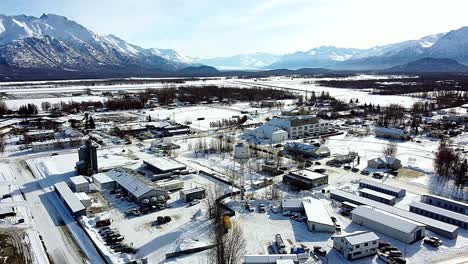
(79,184)
(389,224)
(317,215)
(191,194)
(377,196)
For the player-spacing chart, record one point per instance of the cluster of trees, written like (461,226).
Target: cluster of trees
(219,145)
(451,165)
(28,110)
(125,103)
(391,116)
(223,123)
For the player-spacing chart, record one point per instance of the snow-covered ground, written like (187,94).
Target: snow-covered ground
(14,104)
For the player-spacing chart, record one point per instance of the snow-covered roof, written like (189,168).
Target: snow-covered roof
(70,198)
(77,180)
(82,196)
(262,259)
(359,237)
(291,203)
(311,175)
(377,194)
(194,190)
(381,185)
(461,204)
(60,140)
(316,212)
(393,131)
(102,178)
(39,132)
(164,164)
(129,182)
(388,219)
(440,211)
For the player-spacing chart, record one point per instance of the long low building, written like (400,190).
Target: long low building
(317,215)
(71,201)
(389,224)
(438,227)
(442,202)
(377,196)
(270,259)
(440,214)
(383,188)
(164,165)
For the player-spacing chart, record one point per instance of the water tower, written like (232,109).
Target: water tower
(241,156)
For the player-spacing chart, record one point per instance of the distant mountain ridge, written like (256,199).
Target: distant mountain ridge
(430,65)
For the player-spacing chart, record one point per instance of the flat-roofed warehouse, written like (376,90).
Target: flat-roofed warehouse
(71,201)
(305,179)
(438,227)
(383,188)
(317,215)
(191,194)
(138,190)
(377,196)
(440,214)
(449,204)
(389,224)
(164,165)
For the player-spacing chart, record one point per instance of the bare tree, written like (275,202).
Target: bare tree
(2,144)
(390,150)
(213,192)
(234,245)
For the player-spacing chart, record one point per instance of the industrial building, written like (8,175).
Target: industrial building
(306,150)
(164,165)
(377,196)
(39,135)
(84,199)
(87,159)
(356,245)
(438,227)
(389,224)
(449,204)
(383,188)
(317,216)
(440,214)
(292,205)
(79,184)
(271,259)
(135,188)
(170,185)
(7,212)
(267,133)
(103,182)
(192,194)
(62,143)
(71,201)
(305,179)
(391,133)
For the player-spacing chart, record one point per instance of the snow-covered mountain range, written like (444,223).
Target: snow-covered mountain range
(55,42)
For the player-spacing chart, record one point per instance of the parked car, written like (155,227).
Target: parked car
(377,175)
(319,170)
(320,251)
(318,163)
(355,170)
(364,172)
(274,209)
(261,208)
(167,219)
(333,219)
(286,213)
(249,207)
(433,241)
(347,167)
(384,257)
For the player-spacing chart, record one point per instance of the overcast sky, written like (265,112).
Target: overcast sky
(209,28)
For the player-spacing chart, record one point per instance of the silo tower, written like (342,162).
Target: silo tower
(241,156)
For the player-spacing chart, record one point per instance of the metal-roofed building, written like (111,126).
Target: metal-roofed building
(191,194)
(79,184)
(305,179)
(292,205)
(317,215)
(269,259)
(377,196)
(103,181)
(383,188)
(356,245)
(438,227)
(164,165)
(134,187)
(71,201)
(440,214)
(391,133)
(442,202)
(389,224)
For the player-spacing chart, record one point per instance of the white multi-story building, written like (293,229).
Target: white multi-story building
(356,245)
(281,128)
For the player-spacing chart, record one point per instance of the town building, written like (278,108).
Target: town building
(389,224)
(79,184)
(138,191)
(306,150)
(384,163)
(71,201)
(271,259)
(438,227)
(192,194)
(103,181)
(170,185)
(267,133)
(317,216)
(292,205)
(440,214)
(39,135)
(442,202)
(56,144)
(356,245)
(305,179)
(391,133)
(164,165)
(87,159)
(377,196)
(383,188)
